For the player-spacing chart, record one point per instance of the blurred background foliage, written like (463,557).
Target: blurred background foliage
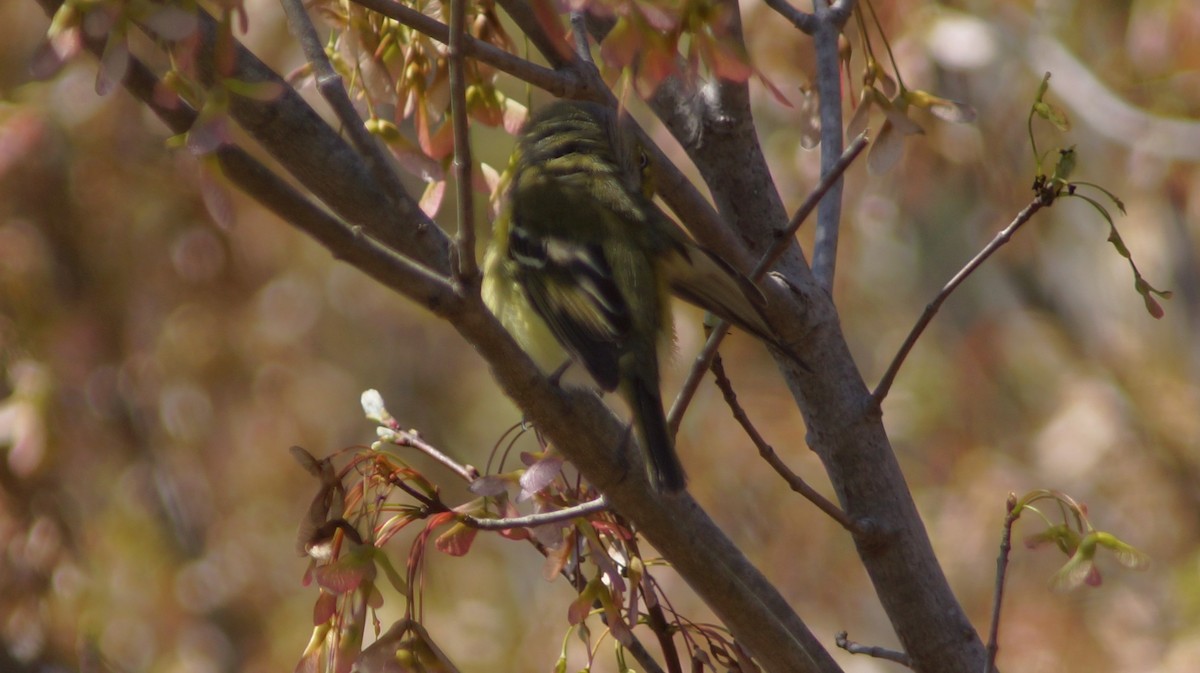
(155,366)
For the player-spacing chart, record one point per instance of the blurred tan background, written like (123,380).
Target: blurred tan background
(155,367)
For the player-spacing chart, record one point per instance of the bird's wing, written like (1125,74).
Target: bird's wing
(571,286)
(699,277)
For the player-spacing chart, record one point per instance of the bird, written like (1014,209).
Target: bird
(581,266)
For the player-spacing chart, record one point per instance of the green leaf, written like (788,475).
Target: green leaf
(1127,555)
(1065,165)
(942,108)
(1043,87)
(1052,114)
(1080,568)
(1061,535)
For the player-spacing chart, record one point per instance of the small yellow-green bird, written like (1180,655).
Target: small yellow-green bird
(582,261)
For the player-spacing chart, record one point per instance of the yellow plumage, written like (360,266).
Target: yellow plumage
(582,264)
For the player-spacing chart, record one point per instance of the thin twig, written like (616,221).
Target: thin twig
(768,453)
(810,202)
(889,377)
(346,242)
(579,30)
(825,42)
(562,83)
(702,361)
(579,583)
(852,647)
(656,620)
(656,616)
(435,504)
(412,439)
(465,270)
(329,83)
(993,643)
(542,519)
(692,383)
(432,504)
(803,21)
(640,654)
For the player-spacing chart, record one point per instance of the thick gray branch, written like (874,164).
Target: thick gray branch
(844,425)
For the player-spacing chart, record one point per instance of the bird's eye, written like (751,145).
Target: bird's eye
(647,173)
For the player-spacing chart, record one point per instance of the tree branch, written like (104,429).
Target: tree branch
(844,642)
(565,82)
(410,438)
(829,100)
(993,642)
(931,309)
(465,270)
(844,426)
(784,240)
(586,432)
(768,453)
(542,519)
(329,83)
(324,163)
(814,198)
(803,21)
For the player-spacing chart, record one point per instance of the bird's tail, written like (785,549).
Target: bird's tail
(662,463)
